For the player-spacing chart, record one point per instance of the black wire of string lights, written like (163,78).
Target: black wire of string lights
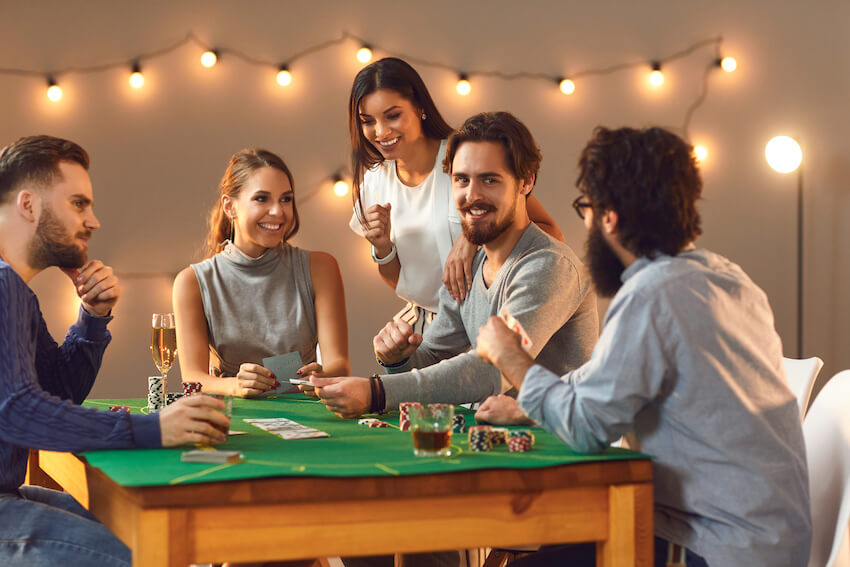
(566,82)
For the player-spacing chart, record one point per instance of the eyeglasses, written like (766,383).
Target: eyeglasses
(578,205)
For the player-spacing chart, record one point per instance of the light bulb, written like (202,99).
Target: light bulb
(700,152)
(209,58)
(656,78)
(137,80)
(783,154)
(54,91)
(340,187)
(728,64)
(567,86)
(284,77)
(364,54)
(463,86)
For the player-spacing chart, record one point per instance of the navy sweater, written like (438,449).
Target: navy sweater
(42,385)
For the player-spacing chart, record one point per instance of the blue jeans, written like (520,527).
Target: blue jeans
(41,527)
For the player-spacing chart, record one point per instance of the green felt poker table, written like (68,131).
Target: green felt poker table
(358,491)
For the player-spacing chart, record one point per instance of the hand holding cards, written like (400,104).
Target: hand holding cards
(514,326)
(284,367)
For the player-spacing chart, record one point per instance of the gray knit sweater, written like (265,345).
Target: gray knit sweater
(543,284)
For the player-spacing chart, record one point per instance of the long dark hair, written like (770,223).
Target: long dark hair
(394,74)
(242,165)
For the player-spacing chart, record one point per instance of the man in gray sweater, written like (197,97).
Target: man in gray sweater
(688,365)
(521,271)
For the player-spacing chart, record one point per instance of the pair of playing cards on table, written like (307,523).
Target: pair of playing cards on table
(285,367)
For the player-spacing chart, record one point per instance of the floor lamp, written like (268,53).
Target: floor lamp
(784,155)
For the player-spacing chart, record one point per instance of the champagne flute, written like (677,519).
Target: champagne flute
(163,346)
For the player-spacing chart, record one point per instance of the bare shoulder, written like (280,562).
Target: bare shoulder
(186,283)
(323,262)
(324,270)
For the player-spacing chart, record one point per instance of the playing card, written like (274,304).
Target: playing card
(284,367)
(286,428)
(211,456)
(515,326)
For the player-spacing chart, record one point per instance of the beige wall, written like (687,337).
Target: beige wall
(159,152)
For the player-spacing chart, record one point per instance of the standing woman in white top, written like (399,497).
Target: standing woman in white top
(256,295)
(403,201)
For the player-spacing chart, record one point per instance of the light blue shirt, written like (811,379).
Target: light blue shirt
(690,366)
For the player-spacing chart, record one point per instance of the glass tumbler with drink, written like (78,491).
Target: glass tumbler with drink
(431,426)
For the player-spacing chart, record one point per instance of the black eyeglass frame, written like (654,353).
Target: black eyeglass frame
(578,205)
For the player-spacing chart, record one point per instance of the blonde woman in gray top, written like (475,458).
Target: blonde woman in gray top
(256,295)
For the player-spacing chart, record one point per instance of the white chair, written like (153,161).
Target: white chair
(801,376)
(827,433)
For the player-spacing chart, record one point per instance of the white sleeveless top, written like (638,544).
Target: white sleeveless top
(424,224)
(257,307)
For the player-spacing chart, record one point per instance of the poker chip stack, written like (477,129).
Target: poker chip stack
(190,388)
(404,414)
(499,435)
(156,397)
(458,424)
(120,408)
(171,397)
(520,441)
(479,438)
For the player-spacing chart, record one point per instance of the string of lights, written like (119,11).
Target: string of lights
(211,55)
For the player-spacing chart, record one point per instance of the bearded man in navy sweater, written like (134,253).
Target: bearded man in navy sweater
(46,219)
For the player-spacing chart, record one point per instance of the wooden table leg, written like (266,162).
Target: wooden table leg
(631,533)
(160,539)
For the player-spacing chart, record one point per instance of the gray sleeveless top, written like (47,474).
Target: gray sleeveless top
(257,307)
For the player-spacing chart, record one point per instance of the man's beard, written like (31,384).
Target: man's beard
(52,246)
(481,233)
(604,265)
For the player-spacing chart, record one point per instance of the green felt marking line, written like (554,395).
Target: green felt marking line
(387,469)
(199,474)
(267,463)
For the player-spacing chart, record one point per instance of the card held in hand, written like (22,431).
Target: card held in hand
(284,367)
(515,326)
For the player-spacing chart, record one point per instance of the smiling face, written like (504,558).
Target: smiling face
(66,221)
(262,211)
(391,123)
(485,190)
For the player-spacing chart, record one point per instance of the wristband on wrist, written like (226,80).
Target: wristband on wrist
(386,259)
(379,395)
(388,365)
